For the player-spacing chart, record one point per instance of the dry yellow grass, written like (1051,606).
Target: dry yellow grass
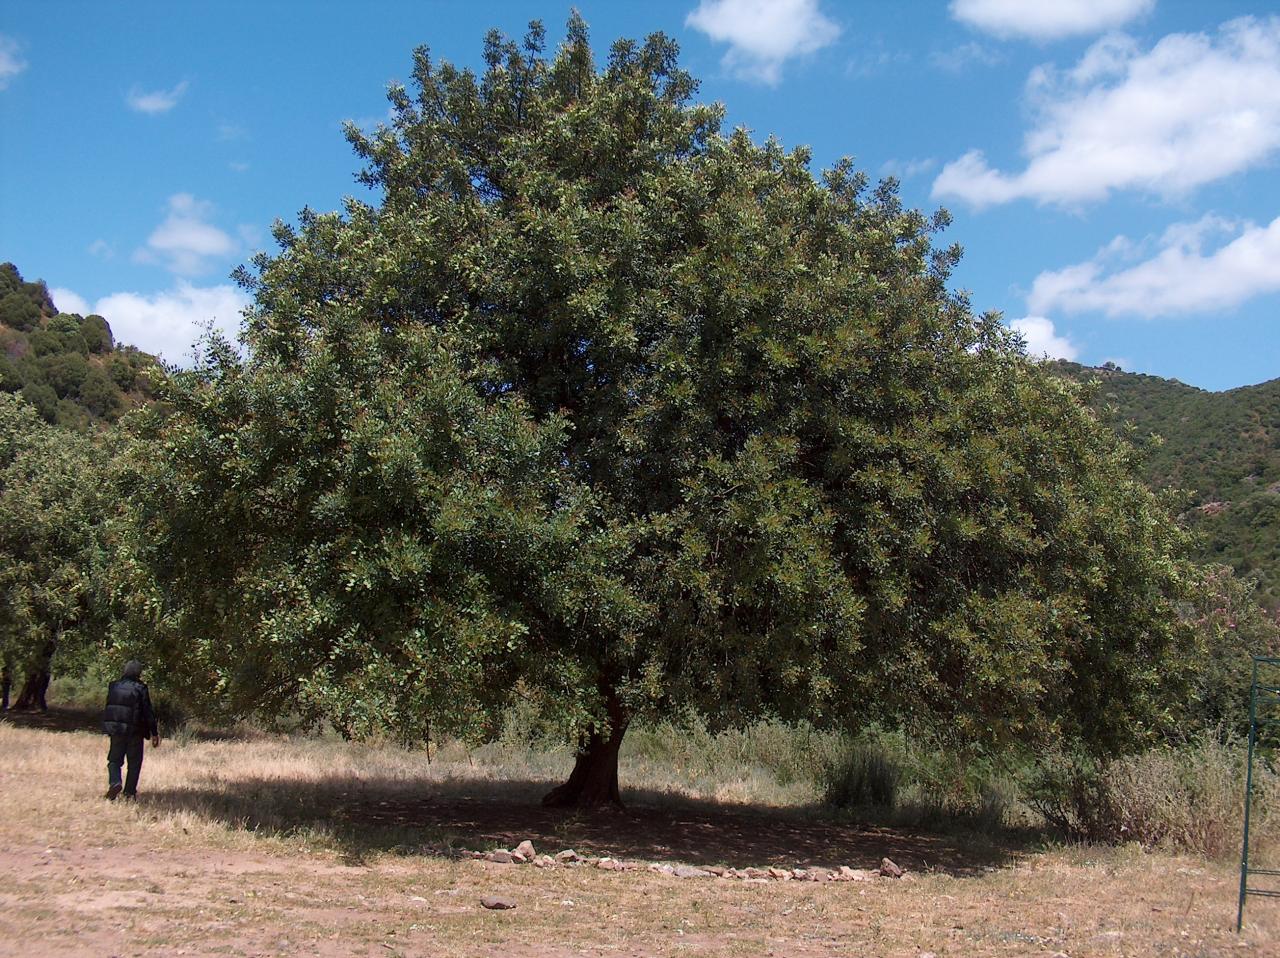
(279,846)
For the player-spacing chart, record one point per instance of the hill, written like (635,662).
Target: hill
(1223,448)
(68,366)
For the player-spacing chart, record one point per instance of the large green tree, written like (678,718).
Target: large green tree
(53,504)
(603,406)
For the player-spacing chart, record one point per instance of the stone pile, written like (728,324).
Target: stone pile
(525,853)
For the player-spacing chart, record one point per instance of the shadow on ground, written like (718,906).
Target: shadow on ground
(55,719)
(368,815)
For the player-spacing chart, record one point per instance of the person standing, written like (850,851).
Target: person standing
(129,720)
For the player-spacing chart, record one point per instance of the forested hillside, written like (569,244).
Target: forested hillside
(67,366)
(1223,448)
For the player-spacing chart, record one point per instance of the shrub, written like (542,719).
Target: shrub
(18,311)
(862,775)
(1188,798)
(67,373)
(97,334)
(43,398)
(100,395)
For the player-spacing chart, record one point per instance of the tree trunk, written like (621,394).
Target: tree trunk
(6,683)
(594,780)
(33,691)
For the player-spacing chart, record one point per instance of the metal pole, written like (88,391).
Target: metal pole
(1248,795)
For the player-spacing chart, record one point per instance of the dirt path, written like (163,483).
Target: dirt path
(79,876)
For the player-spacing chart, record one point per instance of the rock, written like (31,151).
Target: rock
(718,870)
(567,856)
(519,858)
(494,903)
(689,871)
(818,874)
(544,861)
(889,869)
(799,874)
(662,869)
(754,872)
(526,849)
(781,874)
(501,856)
(610,865)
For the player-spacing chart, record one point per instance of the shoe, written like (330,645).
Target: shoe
(112,792)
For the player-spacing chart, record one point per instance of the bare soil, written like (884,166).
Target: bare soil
(221,856)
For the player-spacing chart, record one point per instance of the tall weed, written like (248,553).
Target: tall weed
(1187,798)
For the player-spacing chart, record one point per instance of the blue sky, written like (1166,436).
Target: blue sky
(1111,165)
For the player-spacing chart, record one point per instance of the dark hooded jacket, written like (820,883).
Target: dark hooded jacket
(129,710)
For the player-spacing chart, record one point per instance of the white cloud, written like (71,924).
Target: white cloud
(155,101)
(11,61)
(166,323)
(763,34)
(1181,277)
(69,302)
(101,249)
(1042,340)
(1193,109)
(907,169)
(1047,19)
(186,243)
(960,57)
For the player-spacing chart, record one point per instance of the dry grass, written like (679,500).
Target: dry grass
(251,847)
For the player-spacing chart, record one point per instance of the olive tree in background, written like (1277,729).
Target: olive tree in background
(53,503)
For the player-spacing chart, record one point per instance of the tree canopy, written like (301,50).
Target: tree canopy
(52,551)
(66,366)
(606,407)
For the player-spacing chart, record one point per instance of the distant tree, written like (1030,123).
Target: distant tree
(122,372)
(97,334)
(66,372)
(10,375)
(51,553)
(606,408)
(38,293)
(45,343)
(18,311)
(67,327)
(1232,628)
(41,397)
(10,279)
(100,396)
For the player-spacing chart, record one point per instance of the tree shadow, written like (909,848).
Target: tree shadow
(61,718)
(449,816)
(55,719)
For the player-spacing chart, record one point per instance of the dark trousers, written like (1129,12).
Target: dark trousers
(125,747)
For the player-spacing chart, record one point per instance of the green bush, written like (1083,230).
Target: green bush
(97,334)
(862,775)
(1188,798)
(18,311)
(67,373)
(100,395)
(43,398)
(10,375)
